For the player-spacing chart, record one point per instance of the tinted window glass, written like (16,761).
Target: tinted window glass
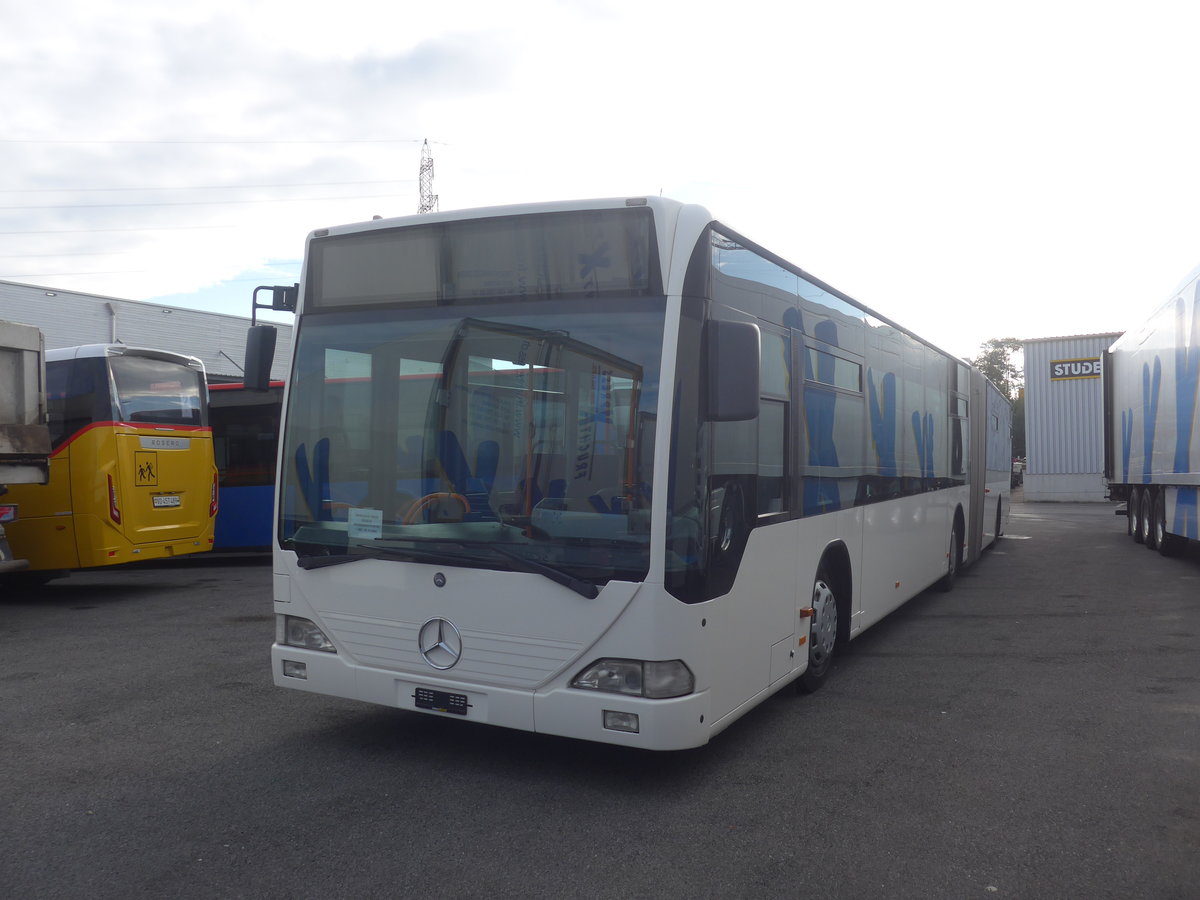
(76,396)
(833,370)
(245,432)
(772,457)
(156,391)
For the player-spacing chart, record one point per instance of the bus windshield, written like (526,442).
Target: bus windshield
(508,436)
(157,391)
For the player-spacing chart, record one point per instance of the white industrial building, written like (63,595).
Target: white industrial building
(68,318)
(1064,417)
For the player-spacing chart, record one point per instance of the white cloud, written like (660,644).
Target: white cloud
(971,172)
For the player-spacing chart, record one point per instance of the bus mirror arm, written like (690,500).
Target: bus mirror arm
(260,339)
(731,366)
(284,298)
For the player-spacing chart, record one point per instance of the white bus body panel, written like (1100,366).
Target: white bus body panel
(905,543)
(510,679)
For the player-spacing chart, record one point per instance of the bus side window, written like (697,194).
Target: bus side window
(773,423)
(72,400)
(772,457)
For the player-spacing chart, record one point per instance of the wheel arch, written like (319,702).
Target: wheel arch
(835,561)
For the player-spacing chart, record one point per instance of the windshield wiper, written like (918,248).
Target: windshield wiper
(320,562)
(578,585)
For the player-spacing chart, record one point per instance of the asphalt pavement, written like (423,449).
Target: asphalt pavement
(1034,733)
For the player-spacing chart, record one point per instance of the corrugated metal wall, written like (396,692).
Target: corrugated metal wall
(1064,419)
(67,319)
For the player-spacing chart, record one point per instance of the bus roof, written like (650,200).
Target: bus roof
(661,205)
(85,351)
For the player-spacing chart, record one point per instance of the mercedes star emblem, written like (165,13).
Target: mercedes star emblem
(440,643)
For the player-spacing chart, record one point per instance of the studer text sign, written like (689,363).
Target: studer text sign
(1064,369)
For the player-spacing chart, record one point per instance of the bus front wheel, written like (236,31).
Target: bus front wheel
(822,633)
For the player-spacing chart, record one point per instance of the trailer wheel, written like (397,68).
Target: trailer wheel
(1146,517)
(1158,519)
(822,633)
(1135,515)
(1168,544)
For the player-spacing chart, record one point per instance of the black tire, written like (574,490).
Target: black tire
(822,633)
(953,560)
(1146,518)
(1167,544)
(1135,515)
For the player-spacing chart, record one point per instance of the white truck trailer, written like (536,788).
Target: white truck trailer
(24,435)
(1151,435)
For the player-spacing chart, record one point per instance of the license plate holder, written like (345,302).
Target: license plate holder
(441,701)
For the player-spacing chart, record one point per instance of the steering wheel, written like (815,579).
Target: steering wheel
(419,506)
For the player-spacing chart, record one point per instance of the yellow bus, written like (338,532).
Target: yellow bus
(132,475)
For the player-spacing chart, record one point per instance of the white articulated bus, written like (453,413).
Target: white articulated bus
(605,469)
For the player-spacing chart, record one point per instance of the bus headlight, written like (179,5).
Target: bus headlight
(297,632)
(637,678)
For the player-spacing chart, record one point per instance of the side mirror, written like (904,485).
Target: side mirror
(731,366)
(260,356)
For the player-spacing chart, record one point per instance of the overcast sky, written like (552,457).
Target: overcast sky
(1026,169)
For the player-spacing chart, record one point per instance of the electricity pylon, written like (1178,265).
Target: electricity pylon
(429,200)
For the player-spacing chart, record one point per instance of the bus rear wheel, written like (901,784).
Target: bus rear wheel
(822,633)
(953,560)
